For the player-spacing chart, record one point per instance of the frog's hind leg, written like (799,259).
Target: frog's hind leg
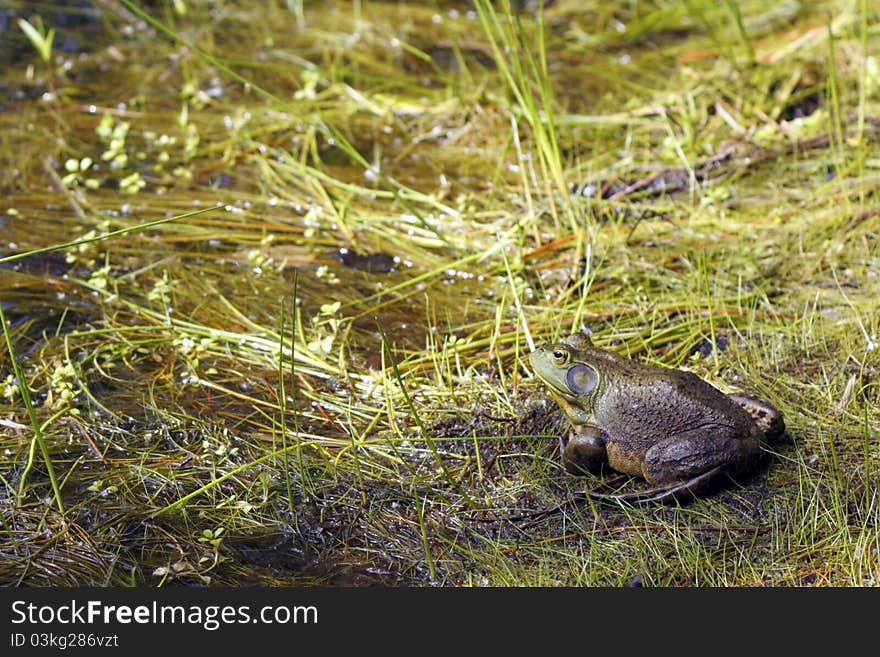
(680,491)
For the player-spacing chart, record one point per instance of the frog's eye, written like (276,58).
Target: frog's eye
(560,356)
(581,379)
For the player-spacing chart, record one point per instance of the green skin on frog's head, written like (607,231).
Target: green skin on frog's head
(572,380)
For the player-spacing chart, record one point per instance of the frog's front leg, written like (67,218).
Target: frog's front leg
(583,450)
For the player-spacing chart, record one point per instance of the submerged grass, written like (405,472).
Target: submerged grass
(320,374)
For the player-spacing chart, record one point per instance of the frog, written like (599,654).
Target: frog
(667,426)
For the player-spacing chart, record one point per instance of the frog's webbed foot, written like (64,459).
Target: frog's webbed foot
(680,491)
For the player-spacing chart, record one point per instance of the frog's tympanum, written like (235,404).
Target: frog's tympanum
(668,426)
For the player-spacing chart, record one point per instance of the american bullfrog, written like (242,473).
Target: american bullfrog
(668,426)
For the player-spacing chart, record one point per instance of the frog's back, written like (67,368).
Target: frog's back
(654,404)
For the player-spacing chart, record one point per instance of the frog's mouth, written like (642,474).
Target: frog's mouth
(558,392)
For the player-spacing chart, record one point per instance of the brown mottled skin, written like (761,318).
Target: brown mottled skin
(668,426)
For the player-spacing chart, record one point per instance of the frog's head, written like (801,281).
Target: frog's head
(572,372)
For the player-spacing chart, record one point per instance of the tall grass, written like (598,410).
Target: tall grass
(327,381)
